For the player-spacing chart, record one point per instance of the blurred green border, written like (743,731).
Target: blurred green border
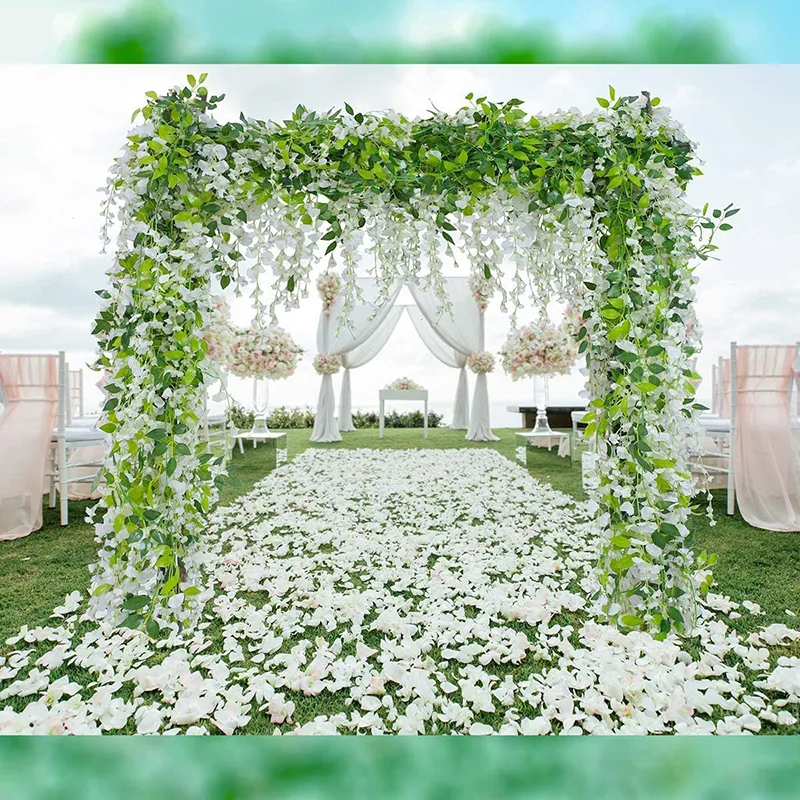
(618,768)
(149,31)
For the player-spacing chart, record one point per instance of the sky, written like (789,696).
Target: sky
(43,30)
(62,127)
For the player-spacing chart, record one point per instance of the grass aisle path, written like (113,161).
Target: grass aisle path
(37,572)
(402,590)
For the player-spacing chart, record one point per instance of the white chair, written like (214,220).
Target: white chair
(75,404)
(576,436)
(715,456)
(218,432)
(713,412)
(67,438)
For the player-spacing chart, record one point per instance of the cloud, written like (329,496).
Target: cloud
(785,167)
(561,79)
(685,95)
(69,289)
(57,151)
(27,327)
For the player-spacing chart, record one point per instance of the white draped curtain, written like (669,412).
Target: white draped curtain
(338,336)
(462,328)
(359,356)
(449,356)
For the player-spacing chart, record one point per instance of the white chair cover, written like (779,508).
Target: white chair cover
(452,358)
(767,447)
(30,385)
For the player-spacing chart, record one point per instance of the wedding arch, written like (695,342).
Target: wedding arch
(450,336)
(585,208)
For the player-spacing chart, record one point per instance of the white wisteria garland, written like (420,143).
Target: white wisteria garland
(542,207)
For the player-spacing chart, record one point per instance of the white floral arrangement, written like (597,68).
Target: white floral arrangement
(263,353)
(539,349)
(405,385)
(574,322)
(481,362)
(329,284)
(482,290)
(327,364)
(220,336)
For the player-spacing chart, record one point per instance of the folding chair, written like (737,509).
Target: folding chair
(68,438)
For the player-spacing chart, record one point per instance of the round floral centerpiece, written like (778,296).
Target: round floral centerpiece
(541,350)
(263,354)
(329,284)
(326,364)
(404,385)
(481,362)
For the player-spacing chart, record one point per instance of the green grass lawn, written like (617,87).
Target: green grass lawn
(38,571)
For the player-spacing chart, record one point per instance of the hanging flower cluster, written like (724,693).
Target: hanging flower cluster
(404,384)
(547,204)
(482,289)
(329,285)
(326,364)
(573,323)
(481,362)
(264,353)
(539,349)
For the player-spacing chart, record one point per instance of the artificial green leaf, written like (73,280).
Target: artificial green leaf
(620,331)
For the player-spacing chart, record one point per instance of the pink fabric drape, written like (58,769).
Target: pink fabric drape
(26,430)
(767,448)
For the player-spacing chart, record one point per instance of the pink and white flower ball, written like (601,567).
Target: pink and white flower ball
(326,364)
(540,349)
(264,353)
(481,362)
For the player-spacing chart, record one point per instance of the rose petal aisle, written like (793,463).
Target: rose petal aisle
(409,592)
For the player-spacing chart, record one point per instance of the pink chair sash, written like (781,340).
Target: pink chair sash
(767,448)
(26,429)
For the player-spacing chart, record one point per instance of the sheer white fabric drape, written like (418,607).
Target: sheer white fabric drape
(462,329)
(449,356)
(359,356)
(767,446)
(363,320)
